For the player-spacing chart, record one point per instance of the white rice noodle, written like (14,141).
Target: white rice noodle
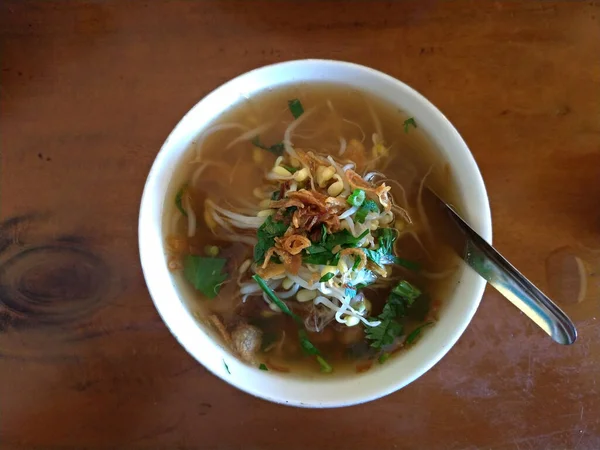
(249,288)
(350,225)
(214,129)
(293,186)
(348,167)
(191,216)
(348,212)
(197,173)
(376,123)
(248,135)
(238,220)
(302,282)
(289,293)
(220,221)
(287,141)
(420,207)
(362,140)
(343,145)
(320,300)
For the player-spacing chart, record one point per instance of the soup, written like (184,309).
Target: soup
(296,224)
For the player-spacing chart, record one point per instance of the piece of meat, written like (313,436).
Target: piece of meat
(247,340)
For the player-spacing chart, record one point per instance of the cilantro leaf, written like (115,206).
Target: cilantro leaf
(276,149)
(408,122)
(384,333)
(325,258)
(266,235)
(344,239)
(296,108)
(400,299)
(384,253)
(367,207)
(263,367)
(205,273)
(179,200)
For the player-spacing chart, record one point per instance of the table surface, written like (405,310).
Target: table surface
(89,91)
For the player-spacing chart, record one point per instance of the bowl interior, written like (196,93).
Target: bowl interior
(318,391)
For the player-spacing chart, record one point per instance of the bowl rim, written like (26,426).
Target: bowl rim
(181,324)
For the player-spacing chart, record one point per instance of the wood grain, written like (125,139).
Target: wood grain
(89,90)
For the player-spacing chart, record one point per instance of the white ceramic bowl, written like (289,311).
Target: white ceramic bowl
(320,391)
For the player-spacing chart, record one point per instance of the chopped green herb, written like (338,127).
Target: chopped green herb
(276,195)
(273,297)
(290,169)
(414,334)
(325,278)
(407,291)
(408,122)
(388,330)
(384,253)
(266,235)
(356,263)
(276,149)
(314,249)
(325,367)
(211,250)
(383,357)
(367,207)
(400,299)
(411,265)
(296,108)
(179,199)
(323,233)
(357,197)
(226,367)
(263,367)
(205,273)
(305,342)
(325,258)
(344,239)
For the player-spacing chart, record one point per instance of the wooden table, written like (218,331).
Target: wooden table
(89,91)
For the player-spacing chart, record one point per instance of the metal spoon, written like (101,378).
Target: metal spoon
(501,274)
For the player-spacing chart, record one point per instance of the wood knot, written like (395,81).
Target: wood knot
(52,284)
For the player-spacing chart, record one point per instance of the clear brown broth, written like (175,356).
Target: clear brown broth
(233,174)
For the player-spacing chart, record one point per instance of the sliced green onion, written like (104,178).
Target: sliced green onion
(328,276)
(273,297)
(325,367)
(263,367)
(357,197)
(414,334)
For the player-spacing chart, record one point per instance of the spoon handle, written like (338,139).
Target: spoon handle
(503,276)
